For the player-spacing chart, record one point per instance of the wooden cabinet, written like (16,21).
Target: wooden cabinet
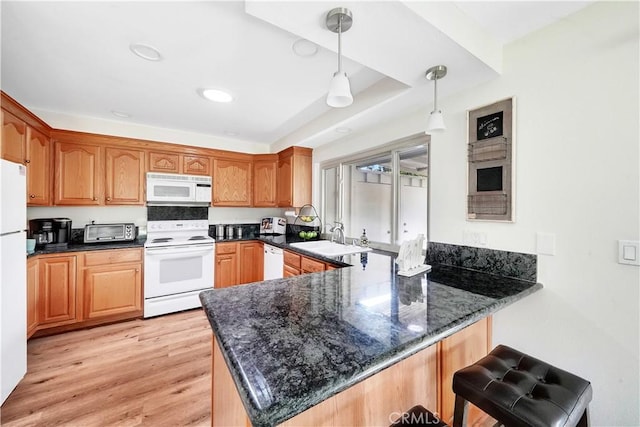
(291,264)
(191,164)
(57,290)
(164,162)
(196,165)
(232,182)
(456,352)
(294,177)
(32,296)
(238,262)
(251,265)
(38,161)
(111,282)
(13,138)
(79,178)
(310,265)
(265,170)
(226,268)
(125,179)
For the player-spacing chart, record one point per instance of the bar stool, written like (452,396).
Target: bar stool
(518,390)
(418,416)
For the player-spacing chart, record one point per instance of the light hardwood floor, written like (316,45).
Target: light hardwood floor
(154,372)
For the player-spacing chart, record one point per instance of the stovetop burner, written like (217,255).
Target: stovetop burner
(198,238)
(162,240)
(178,233)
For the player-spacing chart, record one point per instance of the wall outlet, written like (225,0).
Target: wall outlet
(475,238)
(629,252)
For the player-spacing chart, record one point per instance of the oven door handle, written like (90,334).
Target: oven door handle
(181,250)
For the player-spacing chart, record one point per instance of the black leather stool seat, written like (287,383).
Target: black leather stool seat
(418,416)
(519,390)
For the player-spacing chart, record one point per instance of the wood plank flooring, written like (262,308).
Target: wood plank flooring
(154,372)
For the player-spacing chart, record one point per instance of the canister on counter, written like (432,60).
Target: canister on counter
(238,231)
(229,231)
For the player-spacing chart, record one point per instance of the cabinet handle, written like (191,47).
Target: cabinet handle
(137,270)
(32,196)
(108,199)
(27,161)
(95,198)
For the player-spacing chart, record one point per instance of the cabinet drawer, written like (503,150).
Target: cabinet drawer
(112,256)
(291,259)
(226,248)
(311,266)
(290,271)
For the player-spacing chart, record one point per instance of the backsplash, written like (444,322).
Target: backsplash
(502,263)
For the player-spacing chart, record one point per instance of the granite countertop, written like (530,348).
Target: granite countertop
(292,343)
(79,247)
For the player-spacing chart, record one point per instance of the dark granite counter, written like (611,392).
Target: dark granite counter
(79,247)
(292,343)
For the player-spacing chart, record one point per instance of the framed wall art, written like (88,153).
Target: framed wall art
(491,150)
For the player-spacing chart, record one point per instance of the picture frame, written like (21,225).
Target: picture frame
(491,162)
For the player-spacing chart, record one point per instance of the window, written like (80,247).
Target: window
(383,191)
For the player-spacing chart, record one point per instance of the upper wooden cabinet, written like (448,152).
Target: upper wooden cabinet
(14,133)
(79,177)
(125,180)
(294,177)
(190,164)
(164,162)
(265,171)
(38,161)
(196,165)
(232,182)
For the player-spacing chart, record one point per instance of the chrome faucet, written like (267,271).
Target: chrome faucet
(338,227)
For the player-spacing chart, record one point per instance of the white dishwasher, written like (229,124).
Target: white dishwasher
(273,262)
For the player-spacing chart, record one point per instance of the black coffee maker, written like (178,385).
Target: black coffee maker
(50,231)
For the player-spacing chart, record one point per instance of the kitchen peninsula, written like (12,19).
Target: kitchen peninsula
(351,346)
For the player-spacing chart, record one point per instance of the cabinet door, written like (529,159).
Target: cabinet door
(309,265)
(196,165)
(289,271)
(32,296)
(124,177)
(112,290)
(226,270)
(231,182)
(57,291)
(13,138)
(38,160)
(264,183)
(456,352)
(251,264)
(164,162)
(301,180)
(79,174)
(285,182)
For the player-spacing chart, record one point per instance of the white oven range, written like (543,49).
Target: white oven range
(178,265)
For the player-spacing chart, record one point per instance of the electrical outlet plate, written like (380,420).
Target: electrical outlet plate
(629,252)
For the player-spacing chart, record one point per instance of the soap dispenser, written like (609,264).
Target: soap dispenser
(364,240)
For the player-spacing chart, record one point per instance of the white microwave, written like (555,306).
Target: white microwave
(178,190)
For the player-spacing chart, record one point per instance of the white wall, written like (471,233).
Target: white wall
(577,176)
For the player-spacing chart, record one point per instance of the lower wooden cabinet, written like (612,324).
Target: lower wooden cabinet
(296,264)
(80,289)
(111,283)
(57,291)
(32,295)
(237,263)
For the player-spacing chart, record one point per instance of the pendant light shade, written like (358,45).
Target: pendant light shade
(435,122)
(338,21)
(339,91)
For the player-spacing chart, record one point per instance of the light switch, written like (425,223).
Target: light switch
(629,252)
(546,243)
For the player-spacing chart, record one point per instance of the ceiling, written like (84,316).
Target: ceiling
(74,58)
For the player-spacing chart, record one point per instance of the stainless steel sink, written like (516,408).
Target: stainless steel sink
(328,248)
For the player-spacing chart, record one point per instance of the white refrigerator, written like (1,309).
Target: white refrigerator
(13,276)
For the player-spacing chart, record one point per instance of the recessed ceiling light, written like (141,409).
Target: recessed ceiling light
(120,114)
(304,48)
(216,95)
(145,51)
(343,130)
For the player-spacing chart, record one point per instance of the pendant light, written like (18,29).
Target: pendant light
(435,123)
(338,21)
